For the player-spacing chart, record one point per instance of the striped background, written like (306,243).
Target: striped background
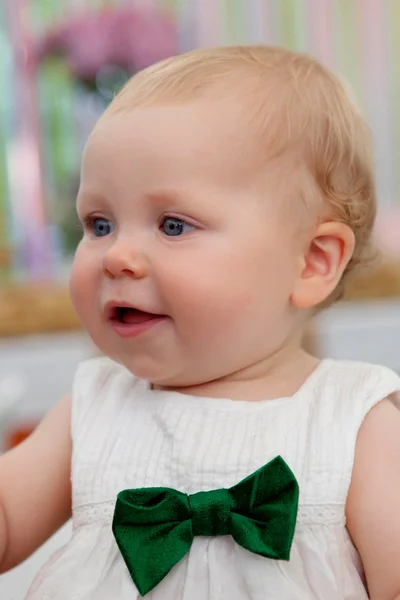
(358,38)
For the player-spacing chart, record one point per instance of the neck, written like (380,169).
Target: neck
(275,376)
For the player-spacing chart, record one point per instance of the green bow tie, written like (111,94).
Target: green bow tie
(154,527)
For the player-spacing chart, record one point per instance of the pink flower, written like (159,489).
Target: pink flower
(128,37)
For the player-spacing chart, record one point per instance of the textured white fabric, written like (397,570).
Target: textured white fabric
(126,435)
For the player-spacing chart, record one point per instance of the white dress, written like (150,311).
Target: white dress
(126,435)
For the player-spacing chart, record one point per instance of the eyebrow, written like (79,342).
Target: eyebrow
(158,199)
(163,195)
(172,196)
(89,197)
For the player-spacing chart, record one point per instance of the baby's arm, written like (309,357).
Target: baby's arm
(373,505)
(35,488)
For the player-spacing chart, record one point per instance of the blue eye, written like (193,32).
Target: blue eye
(102,227)
(172,226)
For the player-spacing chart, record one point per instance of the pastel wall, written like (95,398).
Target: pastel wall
(39,145)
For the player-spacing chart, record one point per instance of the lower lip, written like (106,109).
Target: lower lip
(129,330)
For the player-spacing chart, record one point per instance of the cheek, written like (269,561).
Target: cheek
(82,284)
(217,288)
(210,293)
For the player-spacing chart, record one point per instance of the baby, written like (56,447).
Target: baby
(226,195)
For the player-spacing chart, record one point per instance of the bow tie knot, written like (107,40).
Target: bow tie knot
(210,513)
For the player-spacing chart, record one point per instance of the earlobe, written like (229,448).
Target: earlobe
(323,263)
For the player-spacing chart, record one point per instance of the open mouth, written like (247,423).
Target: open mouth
(128,321)
(127,315)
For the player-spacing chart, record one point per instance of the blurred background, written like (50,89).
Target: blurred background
(61,62)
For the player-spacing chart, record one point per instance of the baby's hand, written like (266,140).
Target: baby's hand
(373,504)
(35,488)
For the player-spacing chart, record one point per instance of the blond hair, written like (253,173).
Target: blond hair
(315,116)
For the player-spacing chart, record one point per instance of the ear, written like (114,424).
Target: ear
(323,263)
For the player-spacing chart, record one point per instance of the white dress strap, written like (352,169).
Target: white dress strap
(344,393)
(89,380)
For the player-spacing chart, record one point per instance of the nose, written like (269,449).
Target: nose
(121,260)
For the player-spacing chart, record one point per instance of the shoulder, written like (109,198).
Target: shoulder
(99,382)
(378,437)
(354,375)
(378,441)
(345,393)
(97,373)
(93,368)
(373,518)
(353,388)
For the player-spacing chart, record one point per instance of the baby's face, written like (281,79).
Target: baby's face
(179,225)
